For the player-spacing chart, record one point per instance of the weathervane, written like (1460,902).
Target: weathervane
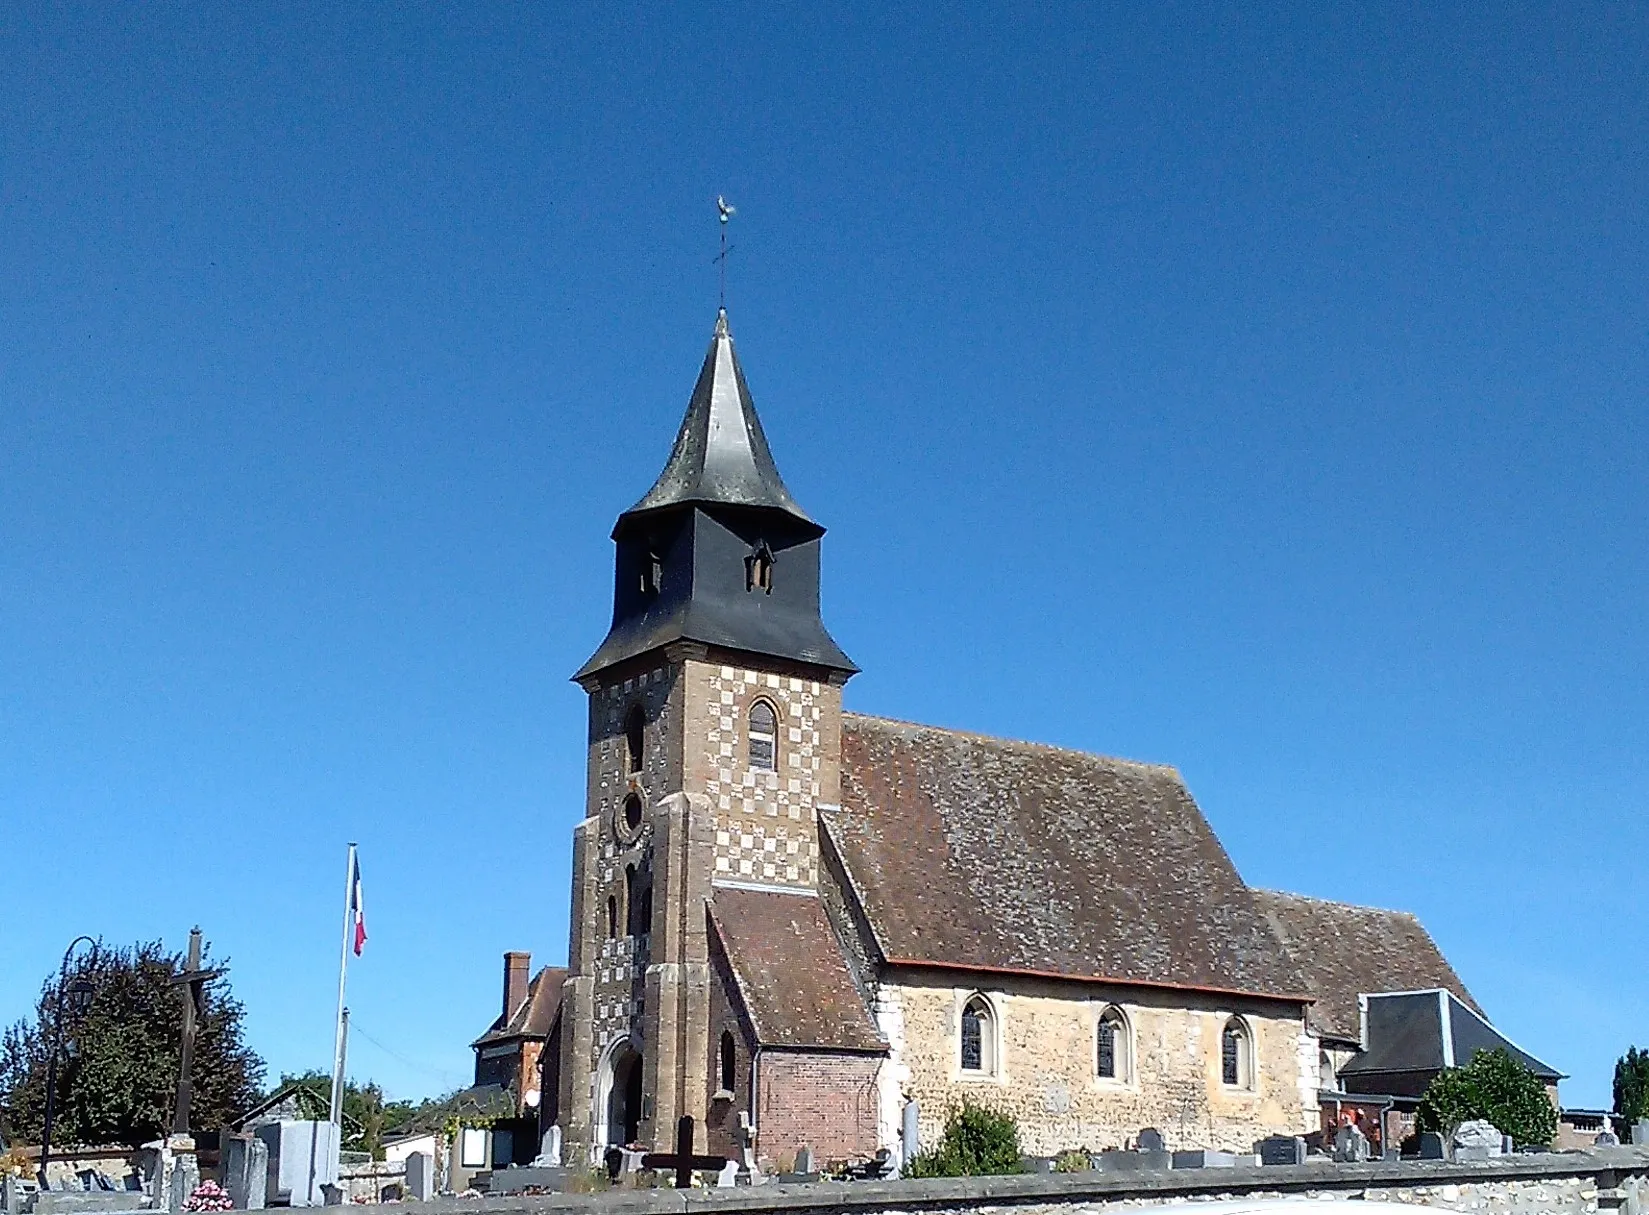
(725,211)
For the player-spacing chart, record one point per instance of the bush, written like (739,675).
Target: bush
(1495,1087)
(1632,1085)
(1073,1160)
(977,1142)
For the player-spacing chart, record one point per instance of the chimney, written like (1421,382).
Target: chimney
(517,966)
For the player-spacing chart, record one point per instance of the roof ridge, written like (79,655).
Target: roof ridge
(1321,902)
(1019,743)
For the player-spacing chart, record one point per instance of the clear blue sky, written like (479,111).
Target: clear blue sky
(1257,389)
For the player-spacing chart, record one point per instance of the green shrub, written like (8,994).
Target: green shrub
(977,1142)
(1495,1087)
(1073,1160)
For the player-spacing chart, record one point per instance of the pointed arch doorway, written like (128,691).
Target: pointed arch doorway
(618,1096)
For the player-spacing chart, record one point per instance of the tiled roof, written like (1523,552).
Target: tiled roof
(1347,951)
(790,971)
(536,1013)
(980,853)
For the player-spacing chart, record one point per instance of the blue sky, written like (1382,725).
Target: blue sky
(1259,390)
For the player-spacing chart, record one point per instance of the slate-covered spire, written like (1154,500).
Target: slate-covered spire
(721,455)
(718,552)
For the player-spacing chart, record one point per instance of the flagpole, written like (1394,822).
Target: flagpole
(343,970)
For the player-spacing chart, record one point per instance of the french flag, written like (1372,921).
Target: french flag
(357,909)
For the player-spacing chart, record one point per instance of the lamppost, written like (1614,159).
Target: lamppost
(79,996)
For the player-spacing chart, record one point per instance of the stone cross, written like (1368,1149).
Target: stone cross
(682,1159)
(192,983)
(746,1137)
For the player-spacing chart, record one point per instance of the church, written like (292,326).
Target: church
(790,921)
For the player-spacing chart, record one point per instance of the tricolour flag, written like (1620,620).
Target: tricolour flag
(357,909)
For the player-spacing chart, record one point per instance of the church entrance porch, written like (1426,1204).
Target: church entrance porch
(617,1113)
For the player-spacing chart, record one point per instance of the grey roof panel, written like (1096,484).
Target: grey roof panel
(720,455)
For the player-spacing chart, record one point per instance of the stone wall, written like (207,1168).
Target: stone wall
(1046,1074)
(1613,1179)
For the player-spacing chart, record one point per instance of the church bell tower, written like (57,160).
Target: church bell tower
(714,739)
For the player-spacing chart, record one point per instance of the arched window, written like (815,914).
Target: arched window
(1114,1048)
(630,900)
(612,917)
(1236,1055)
(764,736)
(644,917)
(978,1037)
(729,1061)
(635,741)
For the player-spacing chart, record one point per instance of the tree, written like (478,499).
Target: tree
(977,1142)
(364,1105)
(117,1076)
(1632,1085)
(1495,1087)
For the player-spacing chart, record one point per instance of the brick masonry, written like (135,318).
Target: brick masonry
(823,1101)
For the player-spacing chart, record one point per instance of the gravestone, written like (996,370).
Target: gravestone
(804,1160)
(744,1134)
(1350,1145)
(729,1175)
(1150,1140)
(1432,1146)
(1606,1139)
(910,1130)
(1640,1134)
(1478,1139)
(245,1166)
(1281,1149)
(549,1150)
(1199,1159)
(420,1177)
(1132,1162)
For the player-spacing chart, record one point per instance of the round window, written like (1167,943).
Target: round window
(632,812)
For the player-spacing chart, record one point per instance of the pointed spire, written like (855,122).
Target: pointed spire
(721,455)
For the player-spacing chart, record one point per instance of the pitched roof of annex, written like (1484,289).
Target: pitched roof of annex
(1346,951)
(790,971)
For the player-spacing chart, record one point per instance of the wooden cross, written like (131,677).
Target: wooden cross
(192,981)
(682,1159)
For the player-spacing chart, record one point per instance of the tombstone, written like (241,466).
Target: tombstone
(804,1160)
(1606,1139)
(910,1130)
(1133,1162)
(729,1175)
(745,1135)
(1432,1146)
(1640,1134)
(1150,1140)
(1478,1139)
(1281,1149)
(185,1177)
(1199,1159)
(245,1166)
(549,1150)
(420,1176)
(1350,1145)
(11,1197)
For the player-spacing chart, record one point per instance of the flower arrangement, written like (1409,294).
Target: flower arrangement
(16,1163)
(208,1196)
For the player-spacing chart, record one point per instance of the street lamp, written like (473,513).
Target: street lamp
(79,997)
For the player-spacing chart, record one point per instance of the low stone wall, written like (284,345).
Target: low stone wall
(1607,1179)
